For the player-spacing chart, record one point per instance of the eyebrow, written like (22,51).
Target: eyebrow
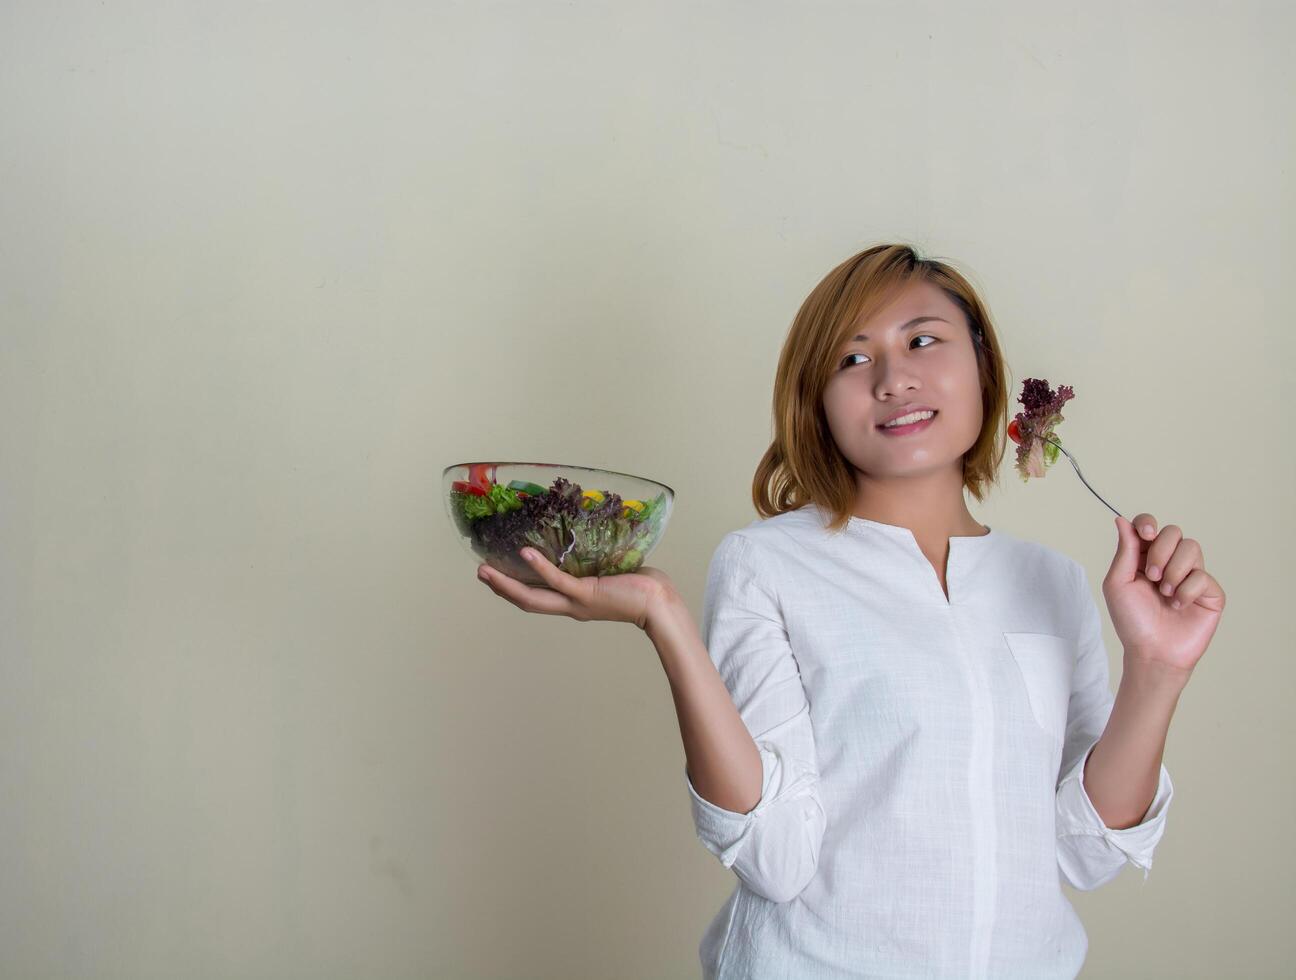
(908,326)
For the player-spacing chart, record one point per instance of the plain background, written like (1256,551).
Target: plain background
(266,269)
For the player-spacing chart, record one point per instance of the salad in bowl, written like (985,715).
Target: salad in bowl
(585,521)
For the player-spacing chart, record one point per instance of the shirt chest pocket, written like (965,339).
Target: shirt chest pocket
(1046,662)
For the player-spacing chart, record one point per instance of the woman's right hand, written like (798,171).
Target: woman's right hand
(626,598)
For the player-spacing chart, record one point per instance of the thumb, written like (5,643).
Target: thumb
(1125,563)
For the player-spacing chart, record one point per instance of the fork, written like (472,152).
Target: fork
(1081,475)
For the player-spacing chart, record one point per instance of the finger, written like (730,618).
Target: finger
(1160,550)
(1186,557)
(1192,588)
(1128,559)
(551,574)
(525,597)
(1146,526)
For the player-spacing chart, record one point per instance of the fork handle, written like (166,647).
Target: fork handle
(1076,466)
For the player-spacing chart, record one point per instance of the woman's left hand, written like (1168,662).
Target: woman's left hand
(1163,603)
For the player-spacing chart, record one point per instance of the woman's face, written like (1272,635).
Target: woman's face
(902,366)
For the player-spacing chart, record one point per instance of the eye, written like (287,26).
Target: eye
(849,356)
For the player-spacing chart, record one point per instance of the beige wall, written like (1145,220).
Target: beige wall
(265,269)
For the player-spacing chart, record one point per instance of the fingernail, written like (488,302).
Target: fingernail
(1153,571)
(1176,604)
(1147,531)
(1166,589)
(528,554)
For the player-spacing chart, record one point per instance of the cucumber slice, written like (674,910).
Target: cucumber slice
(526,487)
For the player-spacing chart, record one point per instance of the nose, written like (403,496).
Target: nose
(894,378)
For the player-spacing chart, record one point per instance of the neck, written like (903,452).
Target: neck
(931,506)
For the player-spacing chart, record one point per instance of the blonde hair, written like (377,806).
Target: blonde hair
(803,464)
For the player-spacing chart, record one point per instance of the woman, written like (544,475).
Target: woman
(897,721)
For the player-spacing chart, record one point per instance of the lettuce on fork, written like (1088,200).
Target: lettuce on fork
(583,532)
(1041,414)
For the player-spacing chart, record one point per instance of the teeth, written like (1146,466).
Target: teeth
(908,419)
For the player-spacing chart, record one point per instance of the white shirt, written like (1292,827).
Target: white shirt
(922,797)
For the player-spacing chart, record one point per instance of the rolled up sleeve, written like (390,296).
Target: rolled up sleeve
(774,848)
(1090,853)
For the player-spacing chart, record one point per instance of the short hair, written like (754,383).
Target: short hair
(803,464)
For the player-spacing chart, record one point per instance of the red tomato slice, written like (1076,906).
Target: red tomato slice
(481,475)
(1014,432)
(463,487)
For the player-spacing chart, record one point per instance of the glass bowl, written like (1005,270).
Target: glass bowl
(586,521)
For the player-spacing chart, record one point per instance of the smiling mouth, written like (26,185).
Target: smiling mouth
(911,425)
